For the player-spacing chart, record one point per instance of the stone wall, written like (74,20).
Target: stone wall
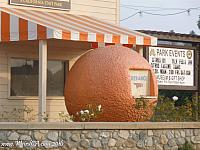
(99,136)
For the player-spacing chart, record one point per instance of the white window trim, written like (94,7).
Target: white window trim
(35,98)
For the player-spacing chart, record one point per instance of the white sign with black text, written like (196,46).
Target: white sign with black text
(172,66)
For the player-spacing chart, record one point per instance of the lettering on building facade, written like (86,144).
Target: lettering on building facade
(53,4)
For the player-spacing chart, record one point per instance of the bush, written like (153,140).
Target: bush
(168,110)
(89,114)
(23,113)
(186,146)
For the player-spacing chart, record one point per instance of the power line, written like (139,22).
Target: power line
(153,9)
(170,14)
(130,16)
(159,14)
(165,8)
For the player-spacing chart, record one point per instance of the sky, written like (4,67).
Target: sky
(180,23)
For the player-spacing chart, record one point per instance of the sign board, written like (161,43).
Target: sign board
(140,83)
(172,66)
(53,4)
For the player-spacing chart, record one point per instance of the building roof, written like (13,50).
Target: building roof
(17,24)
(173,36)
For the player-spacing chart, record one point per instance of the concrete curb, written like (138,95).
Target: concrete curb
(98,125)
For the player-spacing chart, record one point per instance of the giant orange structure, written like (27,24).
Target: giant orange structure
(101,77)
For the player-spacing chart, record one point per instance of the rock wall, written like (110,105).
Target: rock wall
(86,138)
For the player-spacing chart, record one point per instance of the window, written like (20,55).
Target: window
(25,76)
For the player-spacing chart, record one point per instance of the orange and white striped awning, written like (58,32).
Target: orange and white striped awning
(19,25)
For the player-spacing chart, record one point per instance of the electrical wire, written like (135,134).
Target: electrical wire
(159,14)
(150,8)
(170,14)
(130,16)
(133,6)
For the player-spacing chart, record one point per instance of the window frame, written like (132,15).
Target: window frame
(10,97)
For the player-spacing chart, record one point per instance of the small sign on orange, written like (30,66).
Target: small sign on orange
(140,83)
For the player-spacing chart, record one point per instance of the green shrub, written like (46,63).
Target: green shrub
(91,112)
(141,103)
(186,146)
(167,110)
(23,113)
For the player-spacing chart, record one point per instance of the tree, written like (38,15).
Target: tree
(198,23)
(171,31)
(192,32)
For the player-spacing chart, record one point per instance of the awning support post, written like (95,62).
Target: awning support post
(140,50)
(42,80)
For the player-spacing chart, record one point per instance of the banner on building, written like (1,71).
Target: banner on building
(172,66)
(53,4)
(140,83)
